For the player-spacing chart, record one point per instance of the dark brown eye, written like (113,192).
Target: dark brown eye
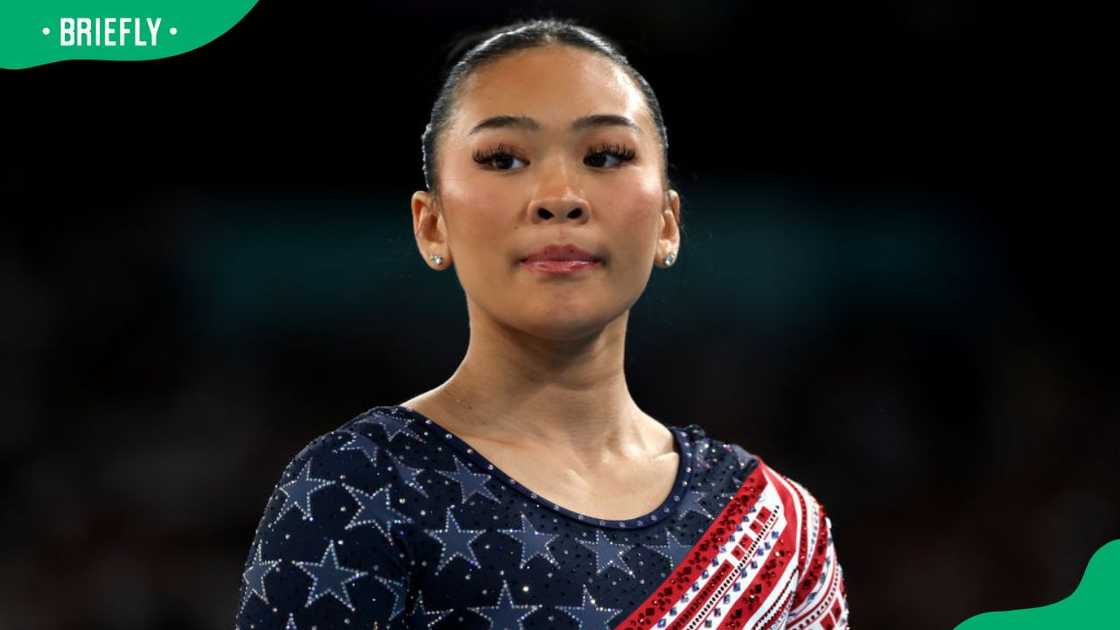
(601,157)
(498,158)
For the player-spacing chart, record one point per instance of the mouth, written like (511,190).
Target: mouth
(561,267)
(566,253)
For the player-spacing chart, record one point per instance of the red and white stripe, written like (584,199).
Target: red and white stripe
(765,562)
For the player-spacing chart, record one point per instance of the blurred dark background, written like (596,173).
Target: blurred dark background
(895,285)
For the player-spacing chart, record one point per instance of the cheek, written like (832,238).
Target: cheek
(477,214)
(634,210)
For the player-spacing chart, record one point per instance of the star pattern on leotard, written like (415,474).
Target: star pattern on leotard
(397,589)
(602,547)
(672,550)
(589,615)
(423,617)
(254,575)
(338,570)
(505,614)
(375,509)
(392,425)
(328,577)
(701,455)
(533,542)
(457,540)
(297,493)
(360,443)
(470,483)
(408,474)
(691,503)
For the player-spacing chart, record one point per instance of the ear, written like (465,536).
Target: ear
(429,228)
(669,238)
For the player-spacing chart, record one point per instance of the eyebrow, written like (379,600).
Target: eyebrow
(529,124)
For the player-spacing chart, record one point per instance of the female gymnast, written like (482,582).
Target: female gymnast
(529,490)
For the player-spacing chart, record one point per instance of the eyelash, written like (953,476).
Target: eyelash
(621,152)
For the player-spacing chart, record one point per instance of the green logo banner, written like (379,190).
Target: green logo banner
(1090,606)
(37,32)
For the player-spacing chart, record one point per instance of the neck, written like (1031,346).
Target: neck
(567,394)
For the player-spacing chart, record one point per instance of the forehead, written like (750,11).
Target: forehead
(553,84)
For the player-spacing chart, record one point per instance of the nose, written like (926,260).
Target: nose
(558,197)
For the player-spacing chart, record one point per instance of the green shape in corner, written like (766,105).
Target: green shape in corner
(37,32)
(1092,604)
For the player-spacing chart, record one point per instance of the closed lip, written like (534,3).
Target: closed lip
(561,252)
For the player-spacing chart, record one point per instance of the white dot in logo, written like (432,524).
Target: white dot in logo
(174,31)
(46,30)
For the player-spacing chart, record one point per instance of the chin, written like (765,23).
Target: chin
(565,324)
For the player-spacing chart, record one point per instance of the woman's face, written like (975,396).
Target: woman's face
(545,175)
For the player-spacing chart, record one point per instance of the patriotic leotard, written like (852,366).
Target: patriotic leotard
(390,521)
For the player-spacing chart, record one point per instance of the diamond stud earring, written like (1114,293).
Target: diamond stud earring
(437,259)
(669,259)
